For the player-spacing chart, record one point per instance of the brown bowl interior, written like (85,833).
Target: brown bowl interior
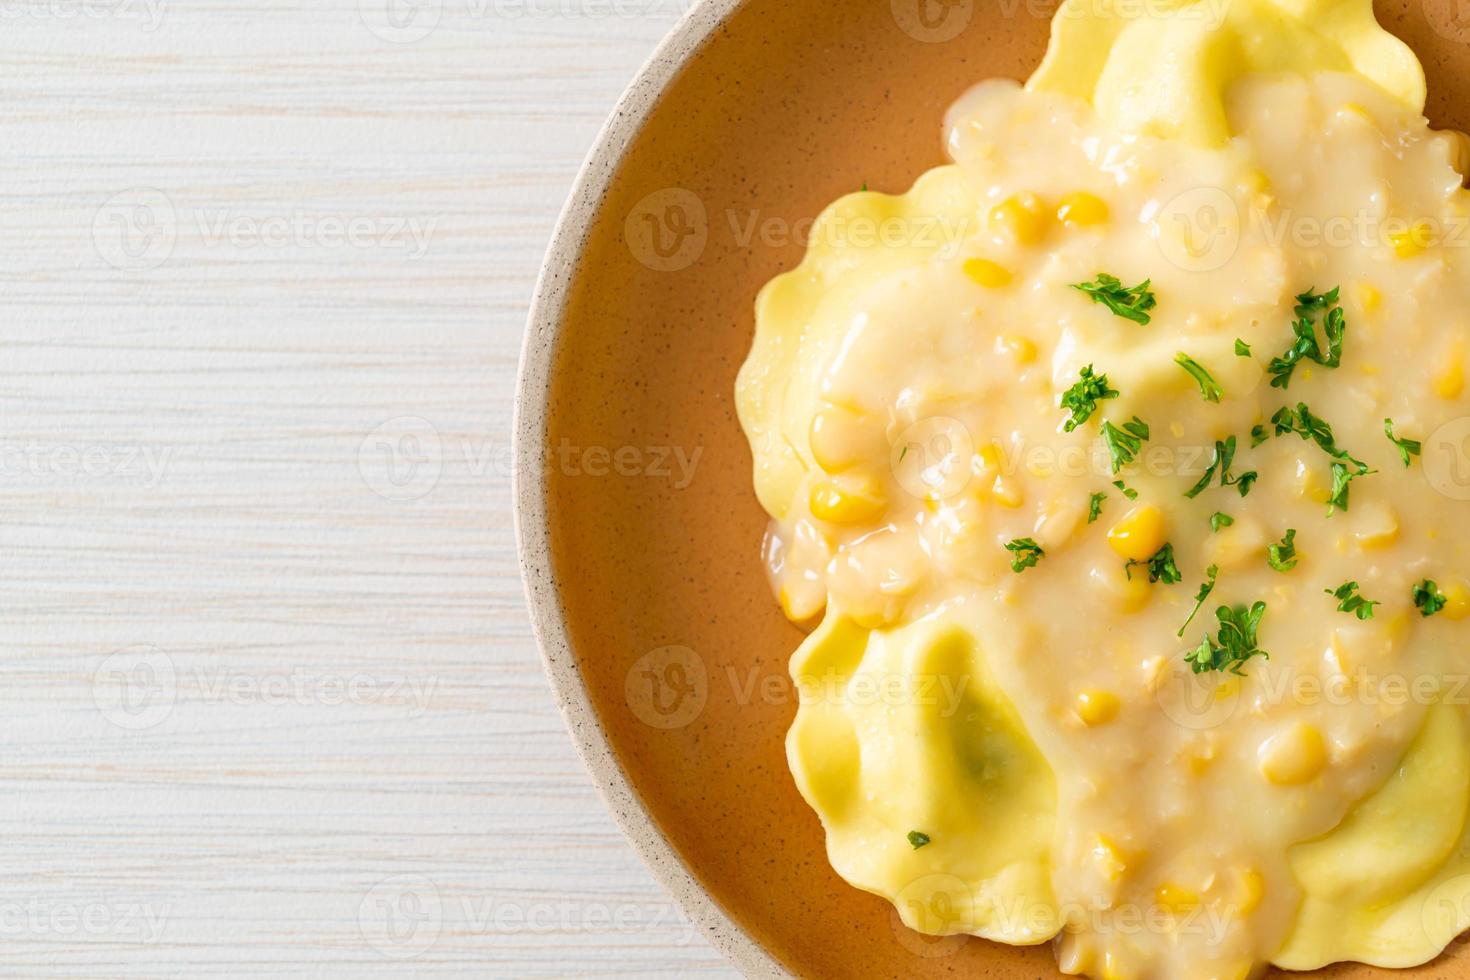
(786,107)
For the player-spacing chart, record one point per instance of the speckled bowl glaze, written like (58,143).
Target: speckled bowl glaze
(639,531)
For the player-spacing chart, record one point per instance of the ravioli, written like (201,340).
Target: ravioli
(1116,462)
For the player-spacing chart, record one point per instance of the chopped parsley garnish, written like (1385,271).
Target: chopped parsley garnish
(1094,506)
(1408,448)
(1220,519)
(1242,349)
(1428,599)
(1027,553)
(1208,386)
(1282,556)
(1128,491)
(1220,463)
(1124,444)
(1350,600)
(1081,399)
(1342,479)
(917,839)
(1310,306)
(1233,644)
(1205,589)
(1130,303)
(1347,467)
(1311,427)
(1258,435)
(1161,567)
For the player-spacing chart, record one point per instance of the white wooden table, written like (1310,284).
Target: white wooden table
(271,705)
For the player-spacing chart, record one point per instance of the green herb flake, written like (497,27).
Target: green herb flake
(1081,399)
(1124,443)
(1408,448)
(1128,491)
(1234,642)
(1027,553)
(917,839)
(1312,428)
(1428,599)
(1311,309)
(1258,435)
(1205,589)
(1242,349)
(1220,463)
(1220,519)
(1130,303)
(1282,555)
(1161,567)
(1094,507)
(1350,600)
(1209,388)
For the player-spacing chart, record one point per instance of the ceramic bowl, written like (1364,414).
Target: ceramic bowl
(639,531)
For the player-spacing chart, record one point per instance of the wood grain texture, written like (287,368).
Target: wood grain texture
(270,698)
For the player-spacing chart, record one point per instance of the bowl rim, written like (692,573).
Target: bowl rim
(528,487)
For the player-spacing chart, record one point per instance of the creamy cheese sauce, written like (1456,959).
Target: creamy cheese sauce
(1075,779)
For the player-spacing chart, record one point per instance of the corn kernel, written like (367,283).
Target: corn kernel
(1254,181)
(1294,756)
(1110,858)
(1060,520)
(1449,380)
(1369,298)
(1252,890)
(1309,483)
(1080,209)
(1023,216)
(1199,758)
(1176,898)
(837,439)
(990,456)
(1377,525)
(1412,242)
(1130,594)
(1242,543)
(984,272)
(1139,535)
(1022,349)
(1007,492)
(1457,600)
(854,503)
(1097,707)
